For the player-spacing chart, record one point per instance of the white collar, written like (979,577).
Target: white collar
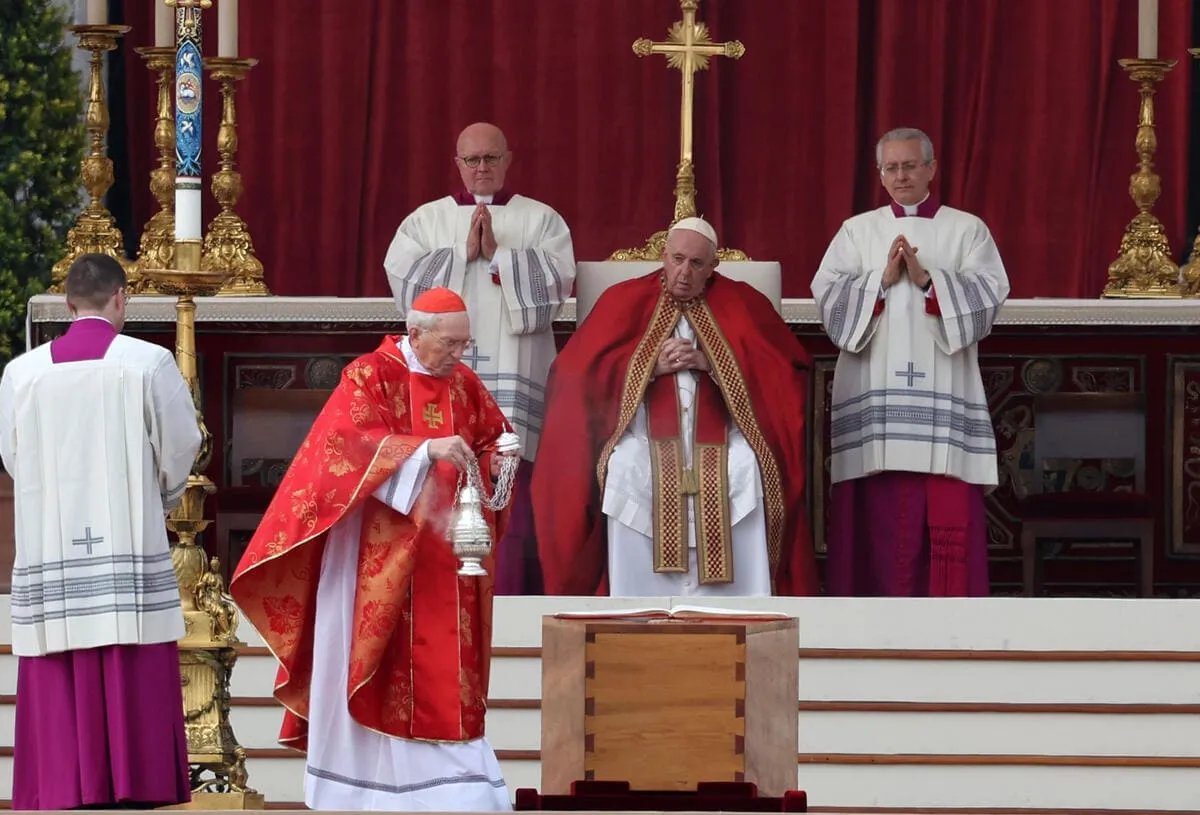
(410,358)
(483,199)
(92,317)
(911,209)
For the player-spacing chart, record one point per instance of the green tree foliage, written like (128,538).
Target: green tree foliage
(41,144)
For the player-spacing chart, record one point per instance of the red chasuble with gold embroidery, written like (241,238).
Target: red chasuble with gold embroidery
(759,381)
(421,639)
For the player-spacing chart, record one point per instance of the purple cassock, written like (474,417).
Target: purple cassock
(101,727)
(905,534)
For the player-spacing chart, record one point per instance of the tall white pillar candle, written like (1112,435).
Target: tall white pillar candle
(164,25)
(97,12)
(227,28)
(1147,29)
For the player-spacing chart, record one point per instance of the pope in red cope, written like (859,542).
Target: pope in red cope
(672,456)
(351,579)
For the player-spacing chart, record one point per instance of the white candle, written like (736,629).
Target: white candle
(97,12)
(1147,29)
(164,25)
(227,28)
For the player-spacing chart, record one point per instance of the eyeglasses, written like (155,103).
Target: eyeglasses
(908,167)
(455,345)
(491,160)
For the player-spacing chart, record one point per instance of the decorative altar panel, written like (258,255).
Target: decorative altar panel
(267,363)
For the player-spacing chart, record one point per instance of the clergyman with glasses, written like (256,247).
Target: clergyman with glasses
(511,259)
(351,579)
(906,292)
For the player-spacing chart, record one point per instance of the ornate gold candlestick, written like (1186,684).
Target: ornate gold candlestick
(157,250)
(689,48)
(95,229)
(227,245)
(1189,275)
(208,650)
(1144,267)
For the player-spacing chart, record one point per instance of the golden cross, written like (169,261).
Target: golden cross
(432,415)
(688,49)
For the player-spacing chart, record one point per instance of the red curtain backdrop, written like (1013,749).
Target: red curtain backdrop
(349,120)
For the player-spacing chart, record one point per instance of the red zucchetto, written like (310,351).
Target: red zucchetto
(439,301)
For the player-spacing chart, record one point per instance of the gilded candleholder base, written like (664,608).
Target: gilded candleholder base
(228,246)
(157,250)
(95,229)
(1144,267)
(1189,273)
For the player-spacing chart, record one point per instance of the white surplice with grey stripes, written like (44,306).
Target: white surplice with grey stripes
(512,322)
(907,390)
(98,450)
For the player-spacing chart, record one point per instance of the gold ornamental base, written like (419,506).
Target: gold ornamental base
(224,800)
(1144,269)
(1189,273)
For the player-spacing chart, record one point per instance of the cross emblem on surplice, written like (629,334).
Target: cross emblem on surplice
(688,49)
(433,415)
(87,540)
(473,357)
(910,374)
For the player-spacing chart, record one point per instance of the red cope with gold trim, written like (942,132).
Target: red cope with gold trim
(596,385)
(421,635)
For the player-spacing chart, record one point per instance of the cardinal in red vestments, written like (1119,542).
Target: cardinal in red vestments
(672,456)
(352,581)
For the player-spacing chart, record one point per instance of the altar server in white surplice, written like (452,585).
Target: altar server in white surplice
(99,433)
(511,259)
(907,292)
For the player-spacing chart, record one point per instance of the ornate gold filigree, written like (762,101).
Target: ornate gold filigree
(1144,267)
(678,33)
(656,244)
(689,48)
(95,229)
(227,246)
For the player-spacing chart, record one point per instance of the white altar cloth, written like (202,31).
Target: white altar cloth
(52,308)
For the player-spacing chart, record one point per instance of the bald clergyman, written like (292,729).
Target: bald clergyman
(673,458)
(511,259)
